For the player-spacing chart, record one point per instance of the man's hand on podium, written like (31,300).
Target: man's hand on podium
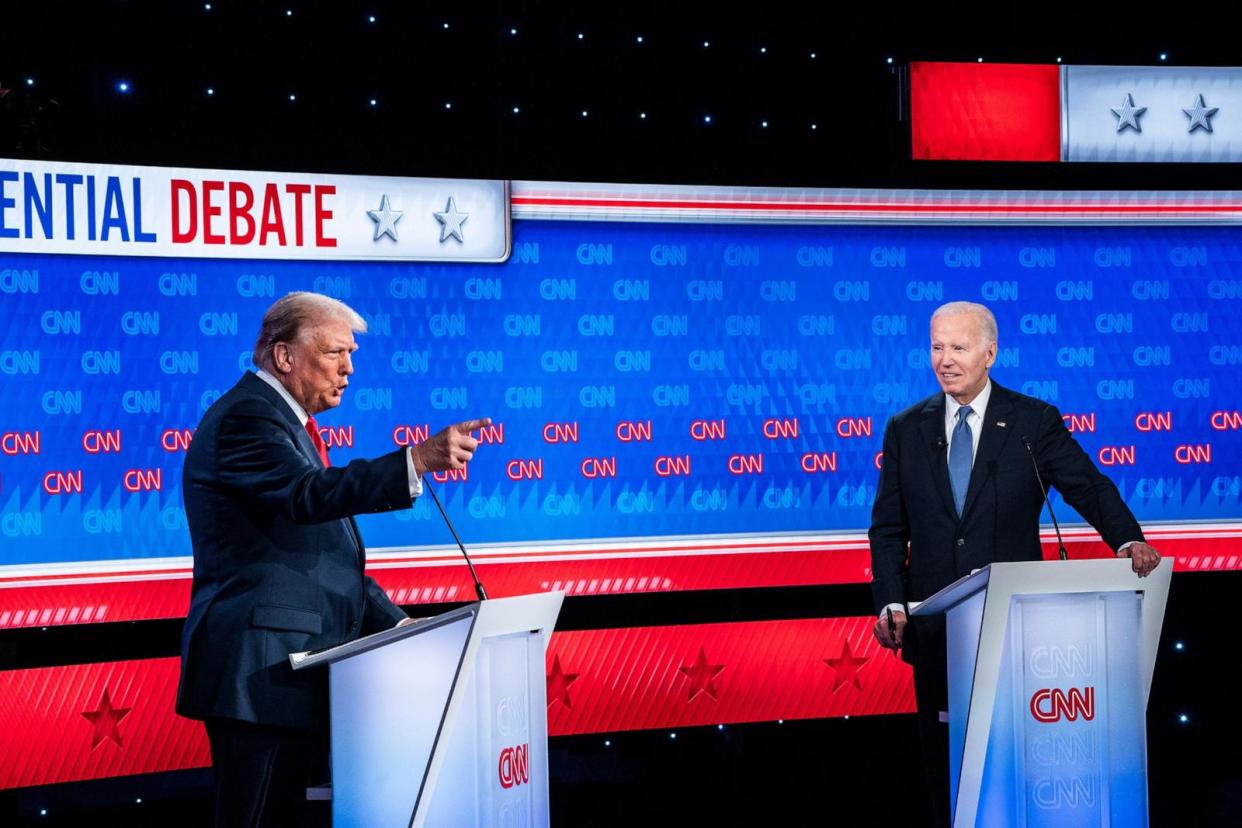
(1143,558)
(890,638)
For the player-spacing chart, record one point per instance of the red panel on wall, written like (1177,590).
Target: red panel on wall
(985,111)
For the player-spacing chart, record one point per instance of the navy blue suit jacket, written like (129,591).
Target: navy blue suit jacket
(278,561)
(918,543)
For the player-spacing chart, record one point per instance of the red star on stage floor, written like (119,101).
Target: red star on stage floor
(558,684)
(845,667)
(702,676)
(105,719)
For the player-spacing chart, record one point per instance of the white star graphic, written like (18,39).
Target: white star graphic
(451,221)
(385,219)
(1200,115)
(1128,114)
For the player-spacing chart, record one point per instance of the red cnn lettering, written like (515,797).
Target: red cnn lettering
(1188,455)
(102,442)
(20,442)
(707,430)
(513,766)
(854,427)
(272,220)
(334,436)
(668,466)
(406,435)
(211,211)
(1078,423)
(143,480)
(1226,420)
(782,429)
(634,431)
(817,462)
(1154,420)
(182,234)
(596,467)
(525,469)
(560,432)
(241,199)
(323,215)
(297,191)
(746,464)
(1116,456)
(492,435)
(57,483)
(176,439)
(1053,704)
(452,475)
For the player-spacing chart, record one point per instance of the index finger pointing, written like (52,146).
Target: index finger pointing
(473,425)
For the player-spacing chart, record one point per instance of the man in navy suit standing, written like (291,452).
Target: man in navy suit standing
(278,561)
(957,491)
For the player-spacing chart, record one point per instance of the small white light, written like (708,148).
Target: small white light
(1164,56)
(43,812)
(1183,718)
(512,31)
(812,56)
(138,800)
(889,61)
(210,91)
(763,50)
(123,86)
(1058,58)
(780,721)
(206,7)
(706,44)
(288,12)
(370,18)
(30,81)
(642,116)
(293,97)
(763,124)
(608,743)
(448,104)
(584,113)
(446,25)
(981,60)
(374,102)
(516,110)
(847,717)
(639,39)
(720,727)
(814,126)
(707,119)
(672,735)
(581,35)
(1179,646)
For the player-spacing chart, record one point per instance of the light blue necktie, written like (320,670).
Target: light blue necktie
(961,455)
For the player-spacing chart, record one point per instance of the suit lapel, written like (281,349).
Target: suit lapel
(991,441)
(931,425)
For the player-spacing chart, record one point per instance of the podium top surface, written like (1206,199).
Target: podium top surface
(520,612)
(1047,578)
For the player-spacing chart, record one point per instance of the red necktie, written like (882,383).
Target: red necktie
(312,428)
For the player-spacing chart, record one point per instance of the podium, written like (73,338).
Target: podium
(1050,666)
(443,722)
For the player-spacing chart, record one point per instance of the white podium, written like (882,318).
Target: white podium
(443,722)
(1050,666)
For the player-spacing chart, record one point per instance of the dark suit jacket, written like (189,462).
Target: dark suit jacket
(918,544)
(278,562)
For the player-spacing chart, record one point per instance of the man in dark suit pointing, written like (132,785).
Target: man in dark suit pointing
(957,491)
(278,560)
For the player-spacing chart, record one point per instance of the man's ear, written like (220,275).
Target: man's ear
(992,349)
(282,357)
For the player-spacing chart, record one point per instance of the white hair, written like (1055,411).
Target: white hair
(293,313)
(987,322)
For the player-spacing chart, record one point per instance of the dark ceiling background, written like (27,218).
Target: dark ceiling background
(791,64)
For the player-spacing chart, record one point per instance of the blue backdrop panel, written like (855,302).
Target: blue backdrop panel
(697,330)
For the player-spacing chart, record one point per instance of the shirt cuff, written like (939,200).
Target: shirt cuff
(1126,546)
(416,482)
(895,608)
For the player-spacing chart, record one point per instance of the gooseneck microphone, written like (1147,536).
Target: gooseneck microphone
(1061,553)
(478,585)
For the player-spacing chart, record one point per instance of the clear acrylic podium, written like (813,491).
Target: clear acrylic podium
(443,722)
(1050,666)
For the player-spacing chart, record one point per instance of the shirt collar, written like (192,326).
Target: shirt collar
(979,405)
(298,411)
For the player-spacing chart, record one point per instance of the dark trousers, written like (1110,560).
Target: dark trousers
(262,773)
(931,693)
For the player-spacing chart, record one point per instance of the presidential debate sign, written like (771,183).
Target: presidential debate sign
(676,362)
